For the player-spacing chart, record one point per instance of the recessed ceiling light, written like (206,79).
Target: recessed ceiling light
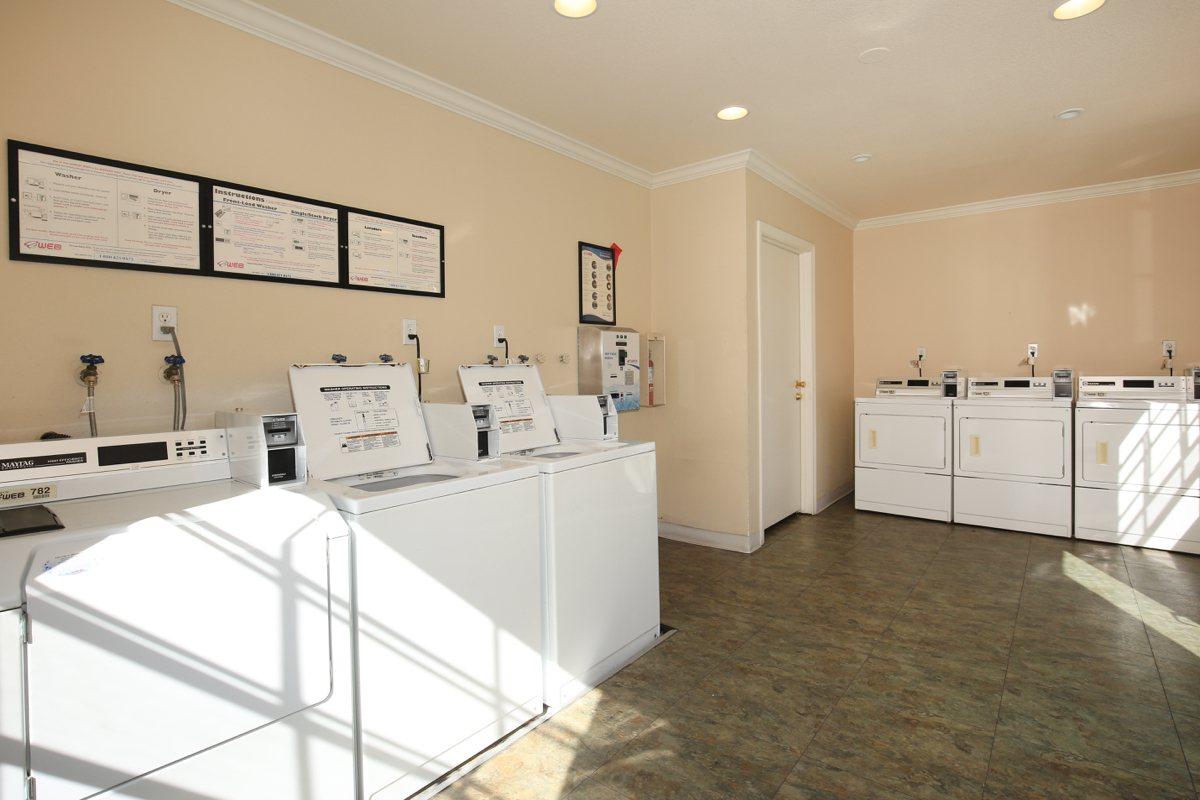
(873,55)
(575,8)
(1069,113)
(1074,9)
(860,158)
(732,113)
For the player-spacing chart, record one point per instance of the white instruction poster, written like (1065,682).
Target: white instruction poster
(392,254)
(265,235)
(77,209)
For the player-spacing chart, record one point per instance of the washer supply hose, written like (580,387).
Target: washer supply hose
(181,387)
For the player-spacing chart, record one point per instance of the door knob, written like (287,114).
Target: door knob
(801,384)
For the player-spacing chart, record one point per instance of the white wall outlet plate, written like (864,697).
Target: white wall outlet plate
(1033,348)
(1169,348)
(497,335)
(160,316)
(410,330)
(920,353)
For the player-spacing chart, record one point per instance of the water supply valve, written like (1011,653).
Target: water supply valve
(386,358)
(89,374)
(338,358)
(174,364)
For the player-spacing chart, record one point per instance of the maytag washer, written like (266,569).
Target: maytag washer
(1013,453)
(903,440)
(181,634)
(599,528)
(1137,462)
(447,576)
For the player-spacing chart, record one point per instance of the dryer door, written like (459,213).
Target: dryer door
(154,640)
(993,446)
(1132,450)
(903,441)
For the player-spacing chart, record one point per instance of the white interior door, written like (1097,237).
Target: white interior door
(780,365)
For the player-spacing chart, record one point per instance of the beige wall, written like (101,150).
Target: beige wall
(1096,283)
(699,256)
(149,82)
(833,258)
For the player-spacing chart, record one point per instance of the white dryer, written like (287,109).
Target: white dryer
(1137,462)
(1013,453)
(599,503)
(447,576)
(903,439)
(182,634)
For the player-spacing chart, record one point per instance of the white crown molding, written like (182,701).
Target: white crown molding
(267,24)
(769,170)
(702,169)
(252,18)
(1038,199)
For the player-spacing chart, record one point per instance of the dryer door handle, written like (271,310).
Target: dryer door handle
(1102,453)
(974,444)
(872,439)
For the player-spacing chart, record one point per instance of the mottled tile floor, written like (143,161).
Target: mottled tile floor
(858,655)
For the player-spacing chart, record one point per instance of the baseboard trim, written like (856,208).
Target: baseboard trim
(829,498)
(722,541)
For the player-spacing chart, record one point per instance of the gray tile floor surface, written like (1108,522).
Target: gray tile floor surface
(859,655)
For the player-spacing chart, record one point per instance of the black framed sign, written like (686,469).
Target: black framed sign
(72,208)
(394,254)
(597,285)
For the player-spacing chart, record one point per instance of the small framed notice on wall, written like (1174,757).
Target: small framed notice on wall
(597,285)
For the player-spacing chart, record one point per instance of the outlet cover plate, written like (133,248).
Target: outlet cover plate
(163,315)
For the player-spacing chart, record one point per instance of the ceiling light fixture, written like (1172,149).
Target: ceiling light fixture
(860,158)
(1074,9)
(731,113)
(575,8)
(873,55)
(1069,114)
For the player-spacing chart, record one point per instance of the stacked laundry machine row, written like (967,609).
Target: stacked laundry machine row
(345,601)
(1121,464)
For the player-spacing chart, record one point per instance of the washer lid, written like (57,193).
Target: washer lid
(359,418)
(517,394)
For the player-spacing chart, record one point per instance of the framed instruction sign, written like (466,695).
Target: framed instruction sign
(395,254)
(263,234)
(597,285)
(72,208)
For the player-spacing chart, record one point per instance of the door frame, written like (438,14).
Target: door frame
(806,253)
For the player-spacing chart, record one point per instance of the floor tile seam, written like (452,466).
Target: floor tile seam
(1007,665)
(679,732)
(1193,770)
(1092,759)
(814,760)
(874,643)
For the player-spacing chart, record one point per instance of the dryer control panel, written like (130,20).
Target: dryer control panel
(908,387)
(1031,388)
(1166,389)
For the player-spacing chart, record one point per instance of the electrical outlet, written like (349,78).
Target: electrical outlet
(160,316)
(1168,348)
(410,330)
(497,335)
(920,353)
(1033,350)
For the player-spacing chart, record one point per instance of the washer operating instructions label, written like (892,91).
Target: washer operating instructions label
(362,417)
(514,410)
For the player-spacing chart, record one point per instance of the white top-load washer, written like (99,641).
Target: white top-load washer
(903,440)
(599,502)
(1013,453)
(447,576)
(1137,461)
(167,632)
